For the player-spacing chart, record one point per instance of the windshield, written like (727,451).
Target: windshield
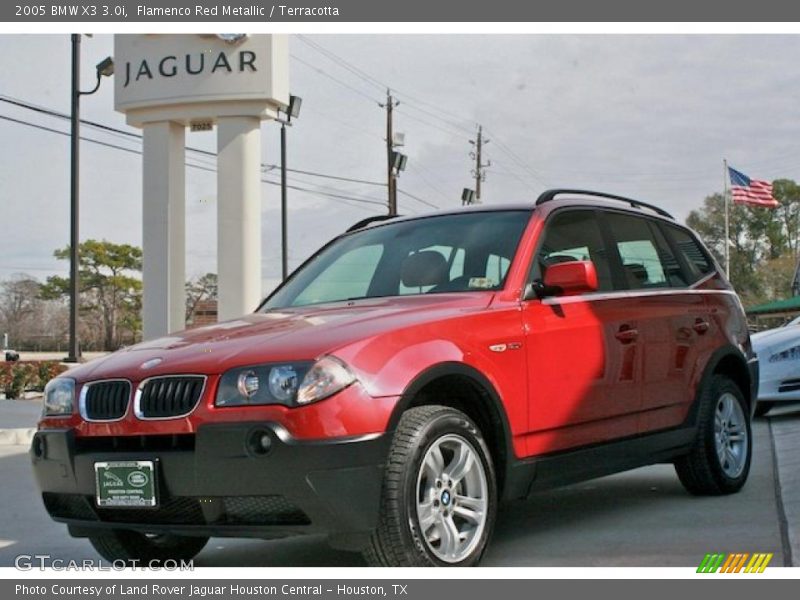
(450,253)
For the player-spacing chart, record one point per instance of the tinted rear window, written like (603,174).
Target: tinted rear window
(693,253)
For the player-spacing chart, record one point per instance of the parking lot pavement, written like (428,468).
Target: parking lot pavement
(16,414)
(639,518)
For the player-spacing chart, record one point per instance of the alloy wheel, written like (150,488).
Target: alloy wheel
(730,435)
(452,498)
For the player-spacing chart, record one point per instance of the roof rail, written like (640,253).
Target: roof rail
(549,195)
(369,220)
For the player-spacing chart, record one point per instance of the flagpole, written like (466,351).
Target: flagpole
(727,221)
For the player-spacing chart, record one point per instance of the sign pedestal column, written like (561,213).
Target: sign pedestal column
(164,84)
(164,228)
(238,215)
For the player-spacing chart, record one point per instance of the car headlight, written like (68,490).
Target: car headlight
(325,378)
(290,384)
(792,353)
(59,397)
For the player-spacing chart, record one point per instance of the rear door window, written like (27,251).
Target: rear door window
(647,259)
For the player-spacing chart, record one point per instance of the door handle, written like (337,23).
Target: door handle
(701,326)
(627,334)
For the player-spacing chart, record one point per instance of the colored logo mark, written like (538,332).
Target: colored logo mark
(735,563)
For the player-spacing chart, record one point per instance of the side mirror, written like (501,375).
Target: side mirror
(567,279)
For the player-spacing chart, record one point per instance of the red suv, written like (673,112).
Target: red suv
(405,380)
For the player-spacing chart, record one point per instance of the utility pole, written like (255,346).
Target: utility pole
(478,172)
(74,350)
(391,180)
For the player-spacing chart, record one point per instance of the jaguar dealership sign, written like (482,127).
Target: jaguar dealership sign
(171,65)
(166,72)
(225,83)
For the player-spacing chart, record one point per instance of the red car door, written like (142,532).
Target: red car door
(670,317)
(583,353)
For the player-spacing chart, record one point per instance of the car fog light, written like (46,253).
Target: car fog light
(260,442)
(247,384)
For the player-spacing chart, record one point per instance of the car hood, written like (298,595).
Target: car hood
(775,339)
(302,333)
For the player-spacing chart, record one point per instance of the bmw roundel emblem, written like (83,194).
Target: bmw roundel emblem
(149,364)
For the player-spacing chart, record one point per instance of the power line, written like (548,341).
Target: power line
(343,63)
(419,169)
(516,158)
(66,134)
(138,136)
(510,173)
(456,135)
(418,199)
(452,122)
(331,117)
(191,165)
(336,177)
(381,85)
(332,78)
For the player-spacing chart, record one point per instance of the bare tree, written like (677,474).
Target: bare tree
(19,304)
(197,290)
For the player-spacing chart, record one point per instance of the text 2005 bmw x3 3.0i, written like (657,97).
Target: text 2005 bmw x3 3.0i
(405,380)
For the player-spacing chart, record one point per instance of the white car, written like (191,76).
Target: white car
(778,353)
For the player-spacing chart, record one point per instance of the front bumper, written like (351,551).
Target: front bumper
(779,382)
(217,483)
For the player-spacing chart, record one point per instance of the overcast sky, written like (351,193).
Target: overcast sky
(647,116)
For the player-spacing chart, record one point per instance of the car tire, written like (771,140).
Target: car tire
(719,461)
(439,495)
(132,547)
(762,408)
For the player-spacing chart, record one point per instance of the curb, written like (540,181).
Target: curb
(787,479)
(16,437)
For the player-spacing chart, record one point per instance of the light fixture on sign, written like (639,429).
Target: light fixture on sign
(294,106)
(105,67)
(232,38)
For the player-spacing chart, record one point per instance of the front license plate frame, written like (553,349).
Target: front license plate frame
(126,484)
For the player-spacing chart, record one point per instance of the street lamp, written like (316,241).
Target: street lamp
(104,69)
(293,110)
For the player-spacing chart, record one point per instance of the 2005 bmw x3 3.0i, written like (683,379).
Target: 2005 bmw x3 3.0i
(405,380)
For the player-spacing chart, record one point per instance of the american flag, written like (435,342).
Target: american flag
(752,192)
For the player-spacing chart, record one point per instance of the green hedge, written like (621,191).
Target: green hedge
(33,375)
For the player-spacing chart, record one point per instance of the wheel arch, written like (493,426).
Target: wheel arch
(728,361)
(464,388)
